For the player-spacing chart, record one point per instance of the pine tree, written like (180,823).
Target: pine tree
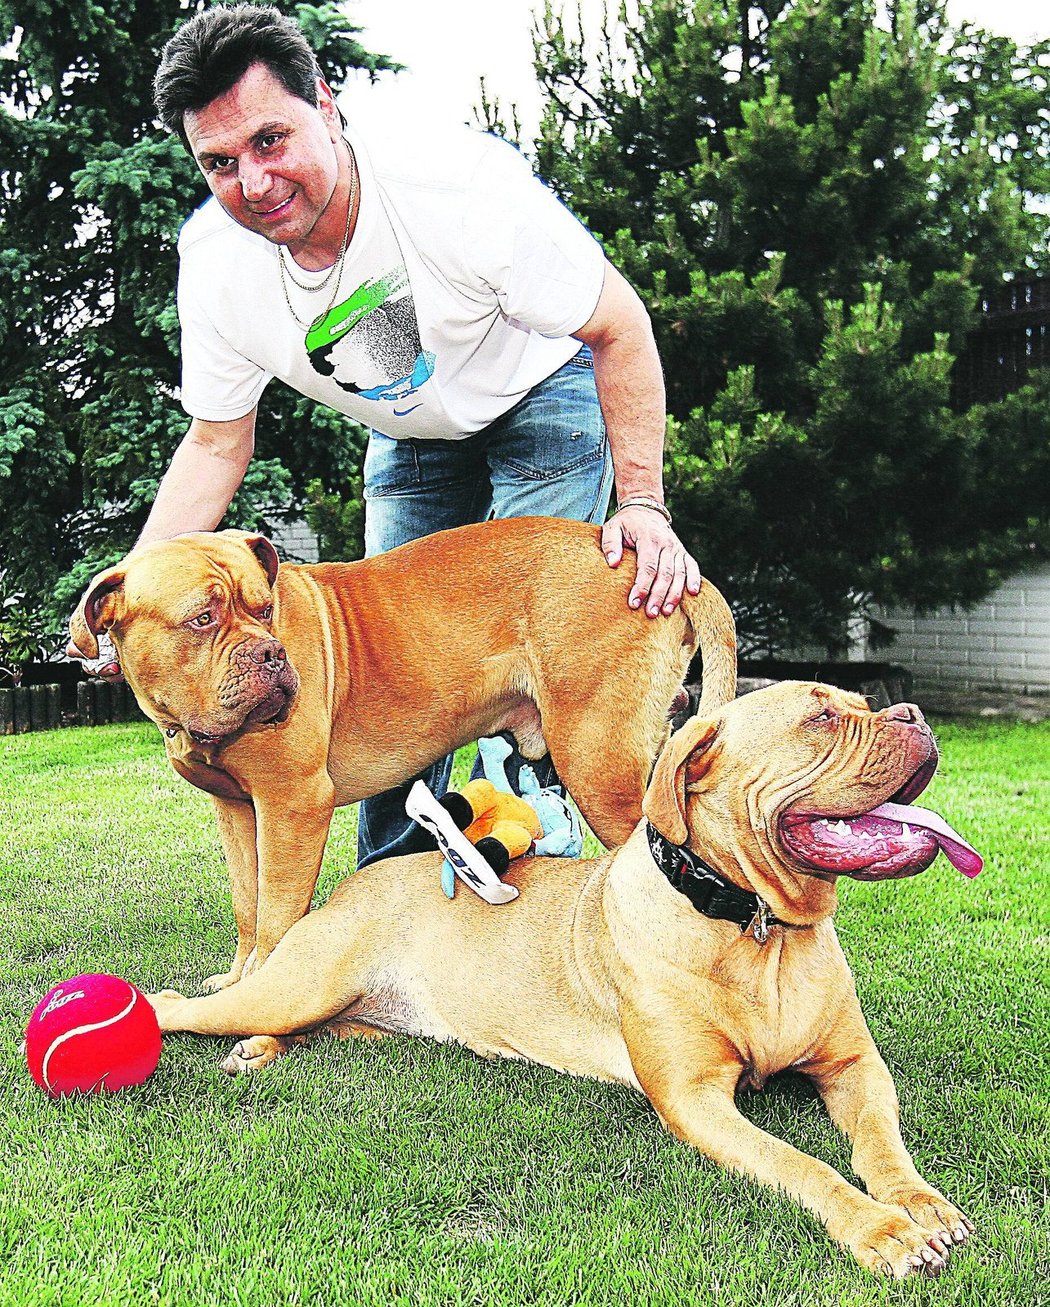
(809,205)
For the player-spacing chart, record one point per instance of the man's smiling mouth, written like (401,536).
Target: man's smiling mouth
(276,210)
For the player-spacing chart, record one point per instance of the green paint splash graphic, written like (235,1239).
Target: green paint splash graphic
(344,317)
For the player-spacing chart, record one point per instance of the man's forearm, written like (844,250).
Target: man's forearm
(630,386)
(630,383)
(201,479)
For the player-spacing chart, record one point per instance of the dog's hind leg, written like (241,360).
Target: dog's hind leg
(604,751)
(605,733)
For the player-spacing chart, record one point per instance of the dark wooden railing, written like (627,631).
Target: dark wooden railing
(84,703)
(1012,340)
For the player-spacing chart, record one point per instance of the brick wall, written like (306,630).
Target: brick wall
(294,542)
(1003,643)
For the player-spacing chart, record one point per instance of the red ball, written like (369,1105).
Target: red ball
(92,1033)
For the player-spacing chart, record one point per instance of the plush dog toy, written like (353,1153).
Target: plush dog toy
(500,826)
(562,836)
(497,822)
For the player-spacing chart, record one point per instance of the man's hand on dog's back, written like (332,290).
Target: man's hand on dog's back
(666,570)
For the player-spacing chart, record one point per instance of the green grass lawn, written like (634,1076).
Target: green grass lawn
(405,1171)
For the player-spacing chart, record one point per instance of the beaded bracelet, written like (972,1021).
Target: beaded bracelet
(643,501)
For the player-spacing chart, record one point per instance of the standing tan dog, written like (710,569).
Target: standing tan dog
(607,968)
(285,692)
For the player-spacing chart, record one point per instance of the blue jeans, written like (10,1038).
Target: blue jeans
(548,457)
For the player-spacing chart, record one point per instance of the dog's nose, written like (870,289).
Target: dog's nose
(269,651)
(905,712)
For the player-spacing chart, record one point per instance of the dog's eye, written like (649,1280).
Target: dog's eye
(267,613)
(202,619)
(826,716)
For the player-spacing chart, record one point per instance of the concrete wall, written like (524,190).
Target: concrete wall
(1003,643)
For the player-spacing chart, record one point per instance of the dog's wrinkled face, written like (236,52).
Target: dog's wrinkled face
(192,620)
(813,782)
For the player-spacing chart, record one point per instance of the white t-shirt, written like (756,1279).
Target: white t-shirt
(462,285)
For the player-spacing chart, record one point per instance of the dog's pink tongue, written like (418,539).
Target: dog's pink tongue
(953,846)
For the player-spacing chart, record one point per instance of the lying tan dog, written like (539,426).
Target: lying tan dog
(285,692)
(607,968)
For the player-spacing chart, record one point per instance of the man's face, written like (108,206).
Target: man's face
(270,159)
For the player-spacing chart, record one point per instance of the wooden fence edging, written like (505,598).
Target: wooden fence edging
(26,708)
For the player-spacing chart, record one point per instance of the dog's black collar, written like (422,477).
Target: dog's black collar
(709,892)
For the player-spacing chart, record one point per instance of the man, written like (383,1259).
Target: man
(433,290)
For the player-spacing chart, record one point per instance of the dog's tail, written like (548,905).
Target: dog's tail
(715,633)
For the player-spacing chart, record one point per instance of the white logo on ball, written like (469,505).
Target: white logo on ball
(60,1000)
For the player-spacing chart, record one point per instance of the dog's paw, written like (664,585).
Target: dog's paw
(934,1213)
(164,1005)
(253,1054)
(240,967)
(895,1245)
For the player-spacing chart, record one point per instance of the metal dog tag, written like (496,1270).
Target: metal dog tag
(469,865)
(759,923)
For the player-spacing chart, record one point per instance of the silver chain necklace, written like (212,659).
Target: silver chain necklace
(336,269)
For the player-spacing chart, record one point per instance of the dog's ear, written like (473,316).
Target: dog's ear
(267,556)
(96,610)
(261,548)
(685,760)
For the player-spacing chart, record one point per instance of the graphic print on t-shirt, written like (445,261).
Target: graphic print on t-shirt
(369,344)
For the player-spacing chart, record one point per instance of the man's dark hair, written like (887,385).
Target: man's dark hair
(211,53)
